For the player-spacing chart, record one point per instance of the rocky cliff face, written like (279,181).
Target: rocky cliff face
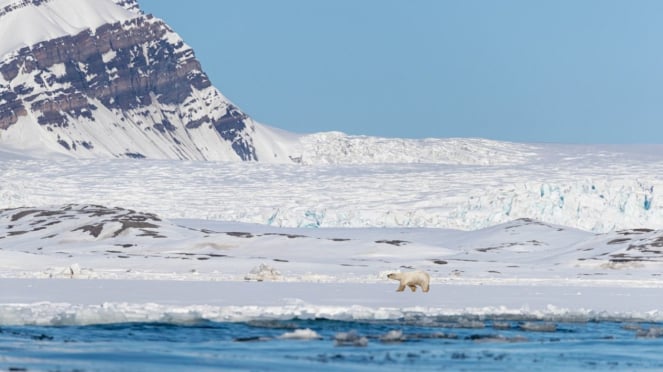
(131,88)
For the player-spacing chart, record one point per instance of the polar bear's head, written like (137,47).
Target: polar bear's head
(395,276)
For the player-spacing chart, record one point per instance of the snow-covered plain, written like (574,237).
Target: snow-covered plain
(549,231)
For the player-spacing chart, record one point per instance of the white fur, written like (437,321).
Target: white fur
(412,279)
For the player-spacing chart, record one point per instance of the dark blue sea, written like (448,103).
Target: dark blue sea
(421,344)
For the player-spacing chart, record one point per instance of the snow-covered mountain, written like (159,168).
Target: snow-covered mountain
(101,79)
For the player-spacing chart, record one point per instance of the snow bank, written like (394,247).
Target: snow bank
(84,302)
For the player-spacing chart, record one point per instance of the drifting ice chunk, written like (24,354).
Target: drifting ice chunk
(350,339)
(393,336)
(301,334)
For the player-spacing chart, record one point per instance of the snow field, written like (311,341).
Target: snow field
(327,235)
(589,191)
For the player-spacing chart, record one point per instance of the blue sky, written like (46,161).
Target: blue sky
(572,71)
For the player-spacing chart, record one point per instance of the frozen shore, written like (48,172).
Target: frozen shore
(82,302)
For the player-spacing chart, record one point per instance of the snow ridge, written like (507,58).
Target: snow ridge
(339,148)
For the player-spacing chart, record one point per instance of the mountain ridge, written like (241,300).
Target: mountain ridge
(118,83)
(126,88)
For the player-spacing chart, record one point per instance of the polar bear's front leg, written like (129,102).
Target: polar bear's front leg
(401,287)
(413,287)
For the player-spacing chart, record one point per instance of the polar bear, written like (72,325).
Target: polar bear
(412,279)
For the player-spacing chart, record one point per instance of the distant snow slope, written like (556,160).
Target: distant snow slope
(339,148)
(597,188)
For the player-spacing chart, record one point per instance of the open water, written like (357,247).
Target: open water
(417,344)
